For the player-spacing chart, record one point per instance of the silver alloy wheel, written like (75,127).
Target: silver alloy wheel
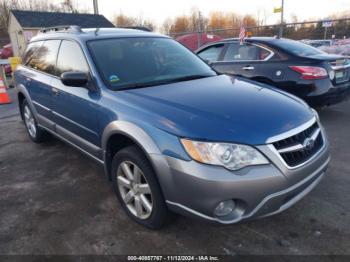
(135,190)
(29,121)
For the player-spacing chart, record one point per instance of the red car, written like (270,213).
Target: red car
(5,53)
(191,40)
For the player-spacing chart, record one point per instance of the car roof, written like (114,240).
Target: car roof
(268,41)
(262,39)
(93,33)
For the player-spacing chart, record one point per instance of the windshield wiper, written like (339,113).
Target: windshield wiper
(163,82)
(185,78)
(135,86)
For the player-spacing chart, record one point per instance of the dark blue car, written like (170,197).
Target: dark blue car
(319,78)
(172,134)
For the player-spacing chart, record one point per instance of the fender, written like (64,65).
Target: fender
(132,131)
(23,90)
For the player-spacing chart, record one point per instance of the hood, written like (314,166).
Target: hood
(219,108)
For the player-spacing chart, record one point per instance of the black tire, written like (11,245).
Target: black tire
(160,214)
(40,134)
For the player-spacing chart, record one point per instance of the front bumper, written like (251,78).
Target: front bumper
(195,189)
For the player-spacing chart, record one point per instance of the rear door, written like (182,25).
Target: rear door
(41,58)
(75,108)
(248,60)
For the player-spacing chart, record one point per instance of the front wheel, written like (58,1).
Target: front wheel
(137,188)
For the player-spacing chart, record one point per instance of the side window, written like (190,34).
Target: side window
(245,52)
(211,53)
(263,53)
(31,52)
(232,52)
(45,58)
(71,58)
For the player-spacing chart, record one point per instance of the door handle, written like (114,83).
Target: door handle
(55,91)
(248,68)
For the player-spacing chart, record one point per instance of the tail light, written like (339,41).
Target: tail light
(310,72)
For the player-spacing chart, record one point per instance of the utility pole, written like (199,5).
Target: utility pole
(200,18)
(282,14)
(95,7)
(325,33)
(200,29)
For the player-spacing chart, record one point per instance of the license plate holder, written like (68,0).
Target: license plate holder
(340,76)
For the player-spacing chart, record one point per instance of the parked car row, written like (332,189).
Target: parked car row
(318,43)
(336,46)
(341,47)
(173,134)
(320,79)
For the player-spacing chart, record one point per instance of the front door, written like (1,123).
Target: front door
(75,108)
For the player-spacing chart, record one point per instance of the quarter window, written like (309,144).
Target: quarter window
(245,52)
(71,58)
(212,53)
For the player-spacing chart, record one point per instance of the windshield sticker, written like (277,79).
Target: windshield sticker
(113,79)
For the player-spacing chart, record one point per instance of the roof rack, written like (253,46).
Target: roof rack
(69,28)
(142,28)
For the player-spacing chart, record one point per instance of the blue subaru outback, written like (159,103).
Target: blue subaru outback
(171,133)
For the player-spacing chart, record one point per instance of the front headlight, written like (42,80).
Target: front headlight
(315,114)
(230,156)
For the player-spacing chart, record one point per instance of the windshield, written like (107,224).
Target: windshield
(139,62)
(297,48)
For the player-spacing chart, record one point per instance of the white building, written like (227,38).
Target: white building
(23,25)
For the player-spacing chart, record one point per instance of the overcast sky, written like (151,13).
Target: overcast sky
(159,10)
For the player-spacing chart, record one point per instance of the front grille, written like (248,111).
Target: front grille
(295,150)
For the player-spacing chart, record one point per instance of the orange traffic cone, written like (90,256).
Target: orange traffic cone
(4,97)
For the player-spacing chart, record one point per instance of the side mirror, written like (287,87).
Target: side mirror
(74,78)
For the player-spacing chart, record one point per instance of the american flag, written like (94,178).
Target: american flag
(242,33)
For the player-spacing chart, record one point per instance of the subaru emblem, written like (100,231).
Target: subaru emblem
(308,143)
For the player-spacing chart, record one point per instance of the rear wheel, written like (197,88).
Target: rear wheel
(137,188)
(35,133)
